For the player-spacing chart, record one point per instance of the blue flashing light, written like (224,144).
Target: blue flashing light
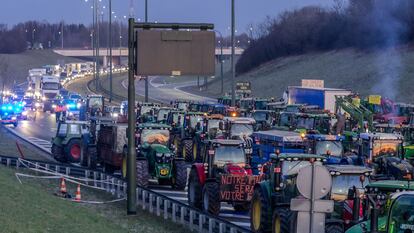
(9,107)
(3,107)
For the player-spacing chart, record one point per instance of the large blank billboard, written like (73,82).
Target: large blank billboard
(173,52)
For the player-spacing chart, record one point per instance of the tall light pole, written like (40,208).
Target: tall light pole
(233,70)
(221,61)
(110,50)
(61,36)
(33,36)
(146,78)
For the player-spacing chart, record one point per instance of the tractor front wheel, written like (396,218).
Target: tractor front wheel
(333,228)
(180,175)
(73,150)
(142,172)
(57,153)
(260,213)
(194,195)
(281,220)
(211,198)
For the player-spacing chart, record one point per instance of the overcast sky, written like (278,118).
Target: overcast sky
(206,11)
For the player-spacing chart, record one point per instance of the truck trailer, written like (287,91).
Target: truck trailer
(322,97)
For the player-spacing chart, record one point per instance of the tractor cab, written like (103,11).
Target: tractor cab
(156,159)
(182,105)
(218,109)
(237,127)
(384,152)
(162,114)
(383,209)
(322,123)
(265,119)
(95,105)
(261,104)
(330,146)
(217,179)
(146,112)
(66,145)
(268,142)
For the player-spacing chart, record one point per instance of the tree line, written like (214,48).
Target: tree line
(360,24)
(24,35)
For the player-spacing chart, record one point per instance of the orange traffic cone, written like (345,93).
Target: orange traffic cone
(78,194)
(63,186)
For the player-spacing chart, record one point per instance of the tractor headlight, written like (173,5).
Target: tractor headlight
(167,155)
(159,155)
(37,105)
(24,113)
(44,98)
(115,115)
(53,105)
(78,105)
(14,118)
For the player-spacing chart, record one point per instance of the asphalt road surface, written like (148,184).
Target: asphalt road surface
(166,93)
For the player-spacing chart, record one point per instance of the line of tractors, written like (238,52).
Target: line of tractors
(250,155)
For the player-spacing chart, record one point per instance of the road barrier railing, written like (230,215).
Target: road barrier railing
(147,199)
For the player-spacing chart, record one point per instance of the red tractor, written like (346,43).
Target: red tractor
(223,176)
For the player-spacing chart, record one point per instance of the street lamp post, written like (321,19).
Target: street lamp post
(110,50)
(33,36)
(233,70)
(146,78)
(221,61)
(61,36)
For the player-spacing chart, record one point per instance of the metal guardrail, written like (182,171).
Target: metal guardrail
(104,91)
(147,199)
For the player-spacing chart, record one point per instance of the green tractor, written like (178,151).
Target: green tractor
(66,145)
(388,207)
(155,158)
(184,130)
(270,206)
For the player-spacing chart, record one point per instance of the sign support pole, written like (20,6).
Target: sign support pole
(131,159)
(233,70)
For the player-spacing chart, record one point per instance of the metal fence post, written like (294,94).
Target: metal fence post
(158,203)
(174,212)
(151,208)
(222,228)
(17,164)
(118,189)
(182,215)
(8,162)
(144,199)
(191,219)
(95,176)
(166,204)
(210,225)
(200,222)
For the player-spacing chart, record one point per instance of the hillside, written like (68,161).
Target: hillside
(389,73)
(15,66)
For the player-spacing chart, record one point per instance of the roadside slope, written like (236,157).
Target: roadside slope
(32,207)
(17,65)
(350,69)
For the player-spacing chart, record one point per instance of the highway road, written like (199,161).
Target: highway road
(165,93)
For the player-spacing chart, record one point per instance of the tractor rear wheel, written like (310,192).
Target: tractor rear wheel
(187,150)
(333,228)
(260,212)
(281,220)
(92,156)
(142,172)
(194,194)
(73,150)
(57,153)
(180,175)
(211,198)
